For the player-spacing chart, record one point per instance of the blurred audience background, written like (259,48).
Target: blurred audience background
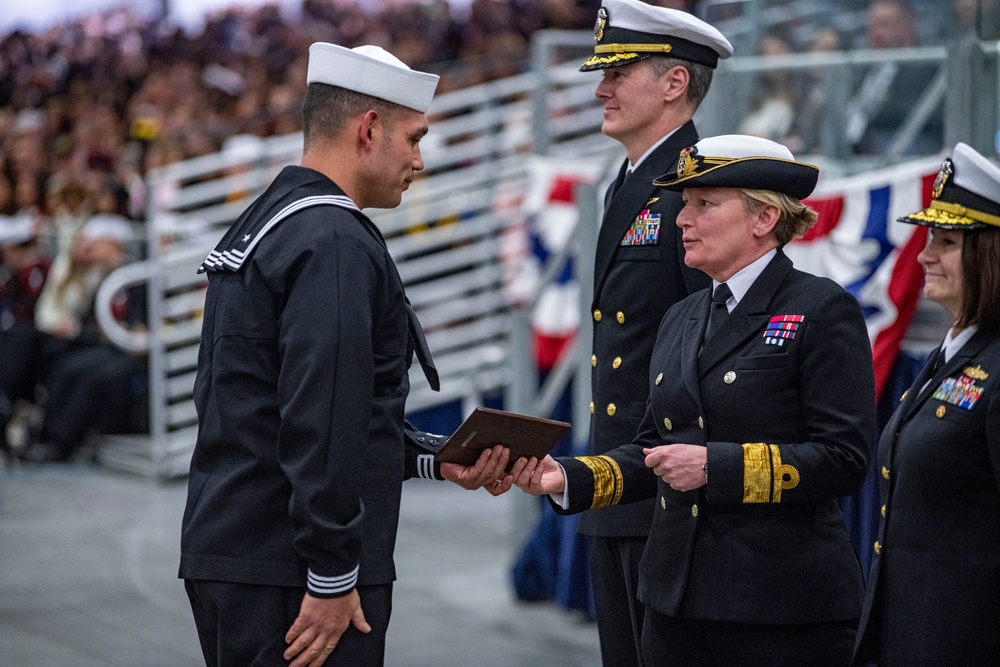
(89,105)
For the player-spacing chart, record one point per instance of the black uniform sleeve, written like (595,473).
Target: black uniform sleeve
(420,448)
(325,394)
(993,435)
(617,477)
(836,398)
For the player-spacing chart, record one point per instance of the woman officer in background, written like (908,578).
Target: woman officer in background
(934,588)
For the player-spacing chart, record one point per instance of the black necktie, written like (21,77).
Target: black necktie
(421,348)
(937,361)
(620,180)
(617,183)
(718,311)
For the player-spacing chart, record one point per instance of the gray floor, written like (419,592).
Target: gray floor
(88,559)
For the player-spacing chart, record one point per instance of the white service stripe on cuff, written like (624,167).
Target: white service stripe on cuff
(425,466)
(333,585)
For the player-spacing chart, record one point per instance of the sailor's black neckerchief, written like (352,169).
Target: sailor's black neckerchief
(240,242)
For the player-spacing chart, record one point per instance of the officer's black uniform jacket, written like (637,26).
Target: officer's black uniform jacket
(302,377)
(788,429)
(634,285)
(934,586)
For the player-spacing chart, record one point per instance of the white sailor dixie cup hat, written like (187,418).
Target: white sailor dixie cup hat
(371,70)
(966,194)
(740,161)
(628,31)
(16,230)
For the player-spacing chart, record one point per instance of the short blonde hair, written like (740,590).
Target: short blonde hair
(795,217)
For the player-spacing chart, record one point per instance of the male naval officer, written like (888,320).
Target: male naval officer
(657,65)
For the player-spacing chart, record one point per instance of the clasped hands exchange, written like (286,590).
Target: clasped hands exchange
(681,466)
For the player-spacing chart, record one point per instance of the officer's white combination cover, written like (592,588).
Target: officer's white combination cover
(16,230)
(639,16)
(975,173)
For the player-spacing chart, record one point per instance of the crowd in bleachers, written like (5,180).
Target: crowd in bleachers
(788,105)
(88,106)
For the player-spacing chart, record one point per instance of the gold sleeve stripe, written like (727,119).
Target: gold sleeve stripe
(780,470)
(619,481)
(604,484)
(640,48)
(756,472)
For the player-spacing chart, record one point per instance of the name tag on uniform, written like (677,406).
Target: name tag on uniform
(961,391)
(782,328)
(645,229)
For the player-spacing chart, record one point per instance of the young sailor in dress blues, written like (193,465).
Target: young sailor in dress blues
(293,499)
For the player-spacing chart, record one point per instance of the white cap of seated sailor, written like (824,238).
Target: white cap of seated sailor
(371,70)
(628,31)
(109,226)
(16,230)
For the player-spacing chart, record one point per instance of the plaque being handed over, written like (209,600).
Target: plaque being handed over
(484,428)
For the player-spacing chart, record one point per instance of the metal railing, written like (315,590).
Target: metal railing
(447,235)
(446,239)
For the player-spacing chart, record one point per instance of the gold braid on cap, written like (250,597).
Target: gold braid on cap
(638,48)
(964,212)
(607,60)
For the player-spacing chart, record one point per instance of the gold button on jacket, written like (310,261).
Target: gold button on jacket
(621,317)
(597,315)
(668,423)
(611,409)
(617,362)
(593,360)
(694,511)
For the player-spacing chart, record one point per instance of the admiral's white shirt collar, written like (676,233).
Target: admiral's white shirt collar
(741,281)
(633,167)
(953,342)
